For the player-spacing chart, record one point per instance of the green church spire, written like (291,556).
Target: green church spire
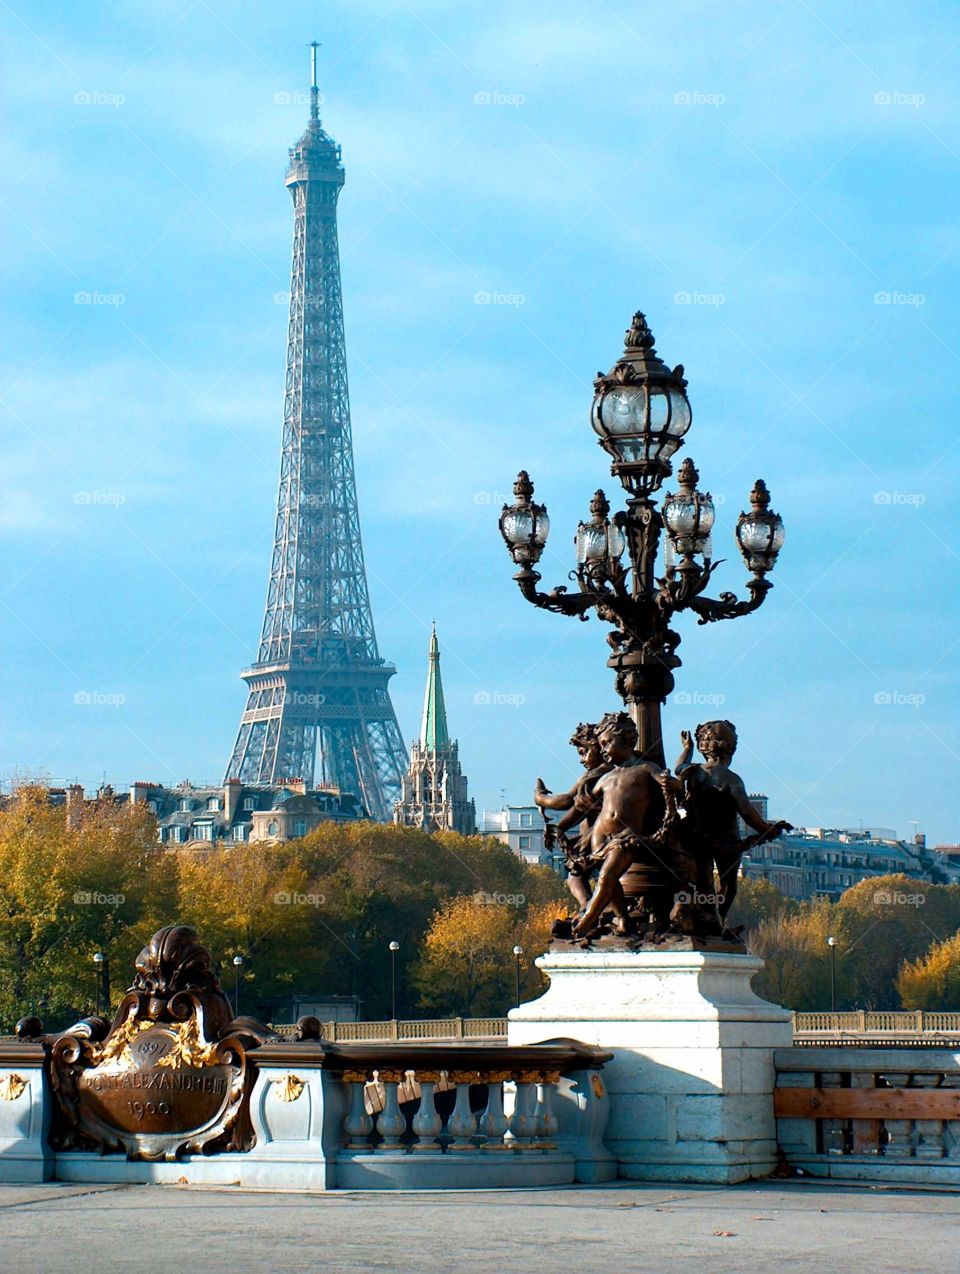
(433,730)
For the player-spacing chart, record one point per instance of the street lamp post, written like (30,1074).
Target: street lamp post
(517,953)
(394,948)
(641,414)
(99,960)
(237,966)
(832,944)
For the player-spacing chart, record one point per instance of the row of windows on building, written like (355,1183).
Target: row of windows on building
(178,835)
(213,804)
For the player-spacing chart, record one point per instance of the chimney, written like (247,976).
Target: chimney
(74,805)
(232,791)
(299,786)
(139,791)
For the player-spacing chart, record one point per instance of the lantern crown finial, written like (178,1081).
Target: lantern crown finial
(600,506)
(523,487)
(638,335)
(688,475)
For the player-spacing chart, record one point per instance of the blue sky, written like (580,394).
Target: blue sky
(774,183)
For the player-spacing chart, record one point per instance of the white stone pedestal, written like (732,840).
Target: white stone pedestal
(691,1084)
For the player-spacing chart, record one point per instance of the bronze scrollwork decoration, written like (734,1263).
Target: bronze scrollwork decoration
(170,1075)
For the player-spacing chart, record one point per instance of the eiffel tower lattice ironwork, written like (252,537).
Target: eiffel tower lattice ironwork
(319,707)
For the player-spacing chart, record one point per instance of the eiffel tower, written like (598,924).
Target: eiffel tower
(318,707)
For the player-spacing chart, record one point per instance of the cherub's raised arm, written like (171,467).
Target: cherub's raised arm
(547,800)
(586,801)
(749,813)
(686,753)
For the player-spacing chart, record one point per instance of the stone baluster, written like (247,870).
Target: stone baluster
(427,1124)
(391,1123)
(545,1119)
(951,1129)
(928,1137)
(462,1124)
(897,1141)
(951,1139)
(523,1122)
(493,1122)
(357,1125)
(835,1132)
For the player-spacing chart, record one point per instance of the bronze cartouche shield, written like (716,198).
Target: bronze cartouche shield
(169,1076)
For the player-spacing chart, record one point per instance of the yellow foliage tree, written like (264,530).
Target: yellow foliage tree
(312,917)
(69,889)
(888,920)
(758,899)
(796,956)
(254,900)
(467,965)
(932,981)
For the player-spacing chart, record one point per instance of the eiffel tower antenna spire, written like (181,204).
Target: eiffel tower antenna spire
(314,93)
(318,707)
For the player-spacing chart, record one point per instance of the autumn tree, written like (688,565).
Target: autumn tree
(254,900)
(794,949)
(384,883)
(467,967)
(759,899)
(70,888)
(933,980)
(310,917)
(884,922)
(879,924)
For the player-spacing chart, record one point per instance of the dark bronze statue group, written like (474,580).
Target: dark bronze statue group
(653,856)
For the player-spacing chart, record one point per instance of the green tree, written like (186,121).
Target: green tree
(383,884)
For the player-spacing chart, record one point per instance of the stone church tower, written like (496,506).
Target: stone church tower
(434,792)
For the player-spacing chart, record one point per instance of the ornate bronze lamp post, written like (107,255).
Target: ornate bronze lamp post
(237,966)
(99,960)
(394,948)
(518,955)
(832,944)
(641,414)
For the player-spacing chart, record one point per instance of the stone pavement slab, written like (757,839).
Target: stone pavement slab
(761,1226)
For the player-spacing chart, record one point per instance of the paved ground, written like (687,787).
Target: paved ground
(624,1228)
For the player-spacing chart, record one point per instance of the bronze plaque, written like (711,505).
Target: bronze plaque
(151,1096)
(169,1076)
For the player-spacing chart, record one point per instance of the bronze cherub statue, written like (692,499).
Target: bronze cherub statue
(714,798)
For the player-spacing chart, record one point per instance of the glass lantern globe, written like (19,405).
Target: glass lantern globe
(641,412)
(689,516)
(599,543)
(760,532)
(524,525)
